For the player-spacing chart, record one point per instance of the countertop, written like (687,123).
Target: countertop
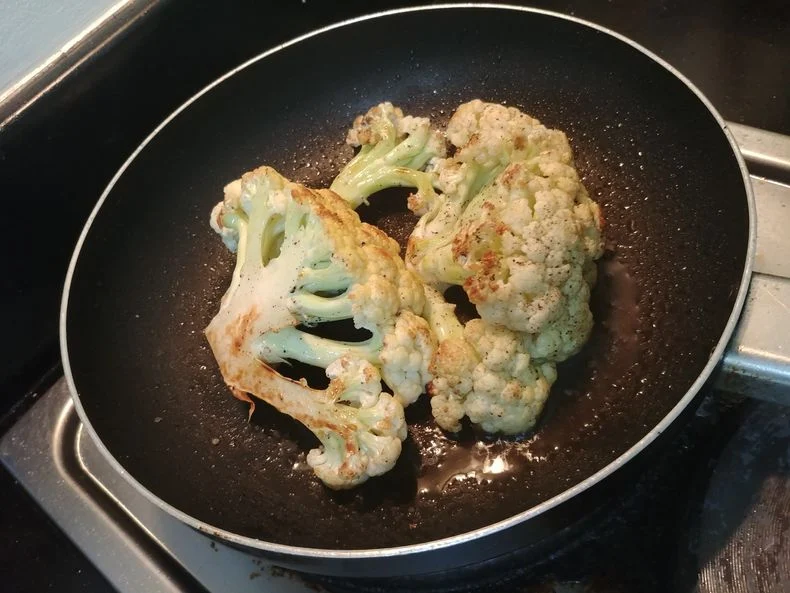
(56,157)
(33,32)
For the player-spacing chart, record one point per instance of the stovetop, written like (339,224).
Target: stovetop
(134,543)
(60,153)
(709,514)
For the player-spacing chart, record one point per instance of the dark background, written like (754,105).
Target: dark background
(58,155)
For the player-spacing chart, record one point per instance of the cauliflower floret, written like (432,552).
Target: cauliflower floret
(488,134)
(393,150)
(304,258)
(487,137)
(484,372)
(229,232)
(509,391)
(537,281)
(452,367)
(320,264)
(411,291)
(515,227)
(374,426)
(406,355)
(372,301)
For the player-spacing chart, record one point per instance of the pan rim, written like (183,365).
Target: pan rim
(447,542)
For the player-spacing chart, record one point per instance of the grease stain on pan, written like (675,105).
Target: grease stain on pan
(479,462)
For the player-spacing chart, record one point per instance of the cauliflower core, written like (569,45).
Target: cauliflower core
(304,258)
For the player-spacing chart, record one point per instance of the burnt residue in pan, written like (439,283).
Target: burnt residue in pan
(151,274)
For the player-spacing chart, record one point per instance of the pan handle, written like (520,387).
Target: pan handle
(757,360)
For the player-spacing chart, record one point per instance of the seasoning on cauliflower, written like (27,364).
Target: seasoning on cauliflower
(514,226)
(304,258)
(484,372)
(507,218)
(393,150)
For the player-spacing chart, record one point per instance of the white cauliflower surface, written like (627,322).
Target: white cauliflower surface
(523,244)
(484,372)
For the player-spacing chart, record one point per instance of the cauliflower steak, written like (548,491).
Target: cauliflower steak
(507,218)
(304,258)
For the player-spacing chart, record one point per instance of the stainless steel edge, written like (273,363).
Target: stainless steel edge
(767,153)
(453,551)
(134,544)
(32,452)
(197,553)
(757,364)
(757,360)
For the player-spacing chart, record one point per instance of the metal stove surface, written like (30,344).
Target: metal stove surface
(135,544)
(743,529)
(139,547)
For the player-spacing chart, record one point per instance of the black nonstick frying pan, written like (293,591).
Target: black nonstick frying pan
(148,274)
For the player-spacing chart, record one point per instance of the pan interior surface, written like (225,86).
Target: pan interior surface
(151,273)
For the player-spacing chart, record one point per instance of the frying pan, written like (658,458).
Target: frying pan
(148,273)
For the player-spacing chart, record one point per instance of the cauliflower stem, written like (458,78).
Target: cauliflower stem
(393,149)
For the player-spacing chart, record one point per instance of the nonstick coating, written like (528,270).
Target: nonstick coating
(151,272)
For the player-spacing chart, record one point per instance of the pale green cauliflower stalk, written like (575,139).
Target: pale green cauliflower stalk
(304,258)
(393,149)
(507,218)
